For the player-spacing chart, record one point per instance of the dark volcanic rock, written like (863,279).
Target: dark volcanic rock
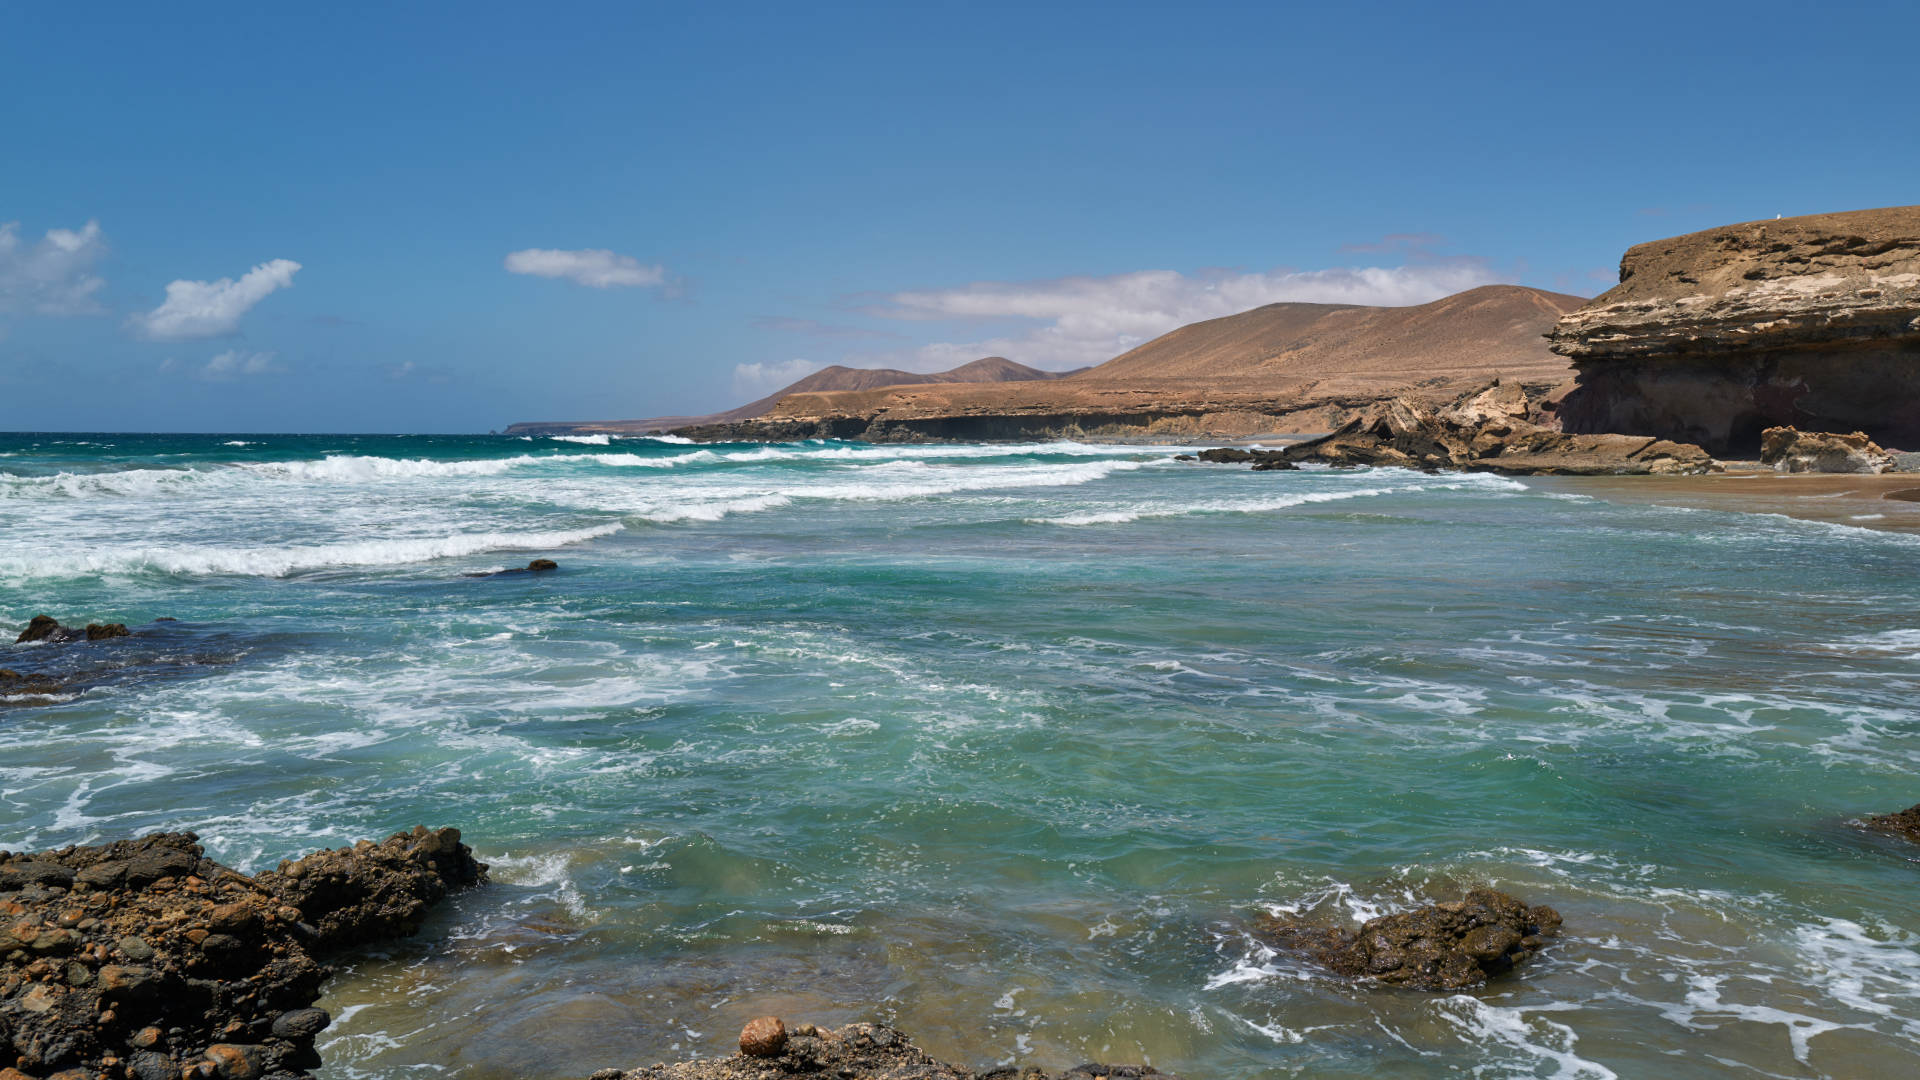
(44,628)
(372,891)
(47,628)
(1439,947)
(1809,322)
(858,1052)
(143,958)
(1904,823)
(1791,451)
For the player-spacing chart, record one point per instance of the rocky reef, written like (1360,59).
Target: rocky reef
(769,1050)
(1712,337)
(147,960)
(1498,429)
(1446,946)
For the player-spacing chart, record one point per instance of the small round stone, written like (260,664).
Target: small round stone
(764,1036)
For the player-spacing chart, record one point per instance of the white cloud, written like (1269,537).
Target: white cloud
(55,276)
(752,381)
(1088,320)
(234,363)
(203,309)
(596,268)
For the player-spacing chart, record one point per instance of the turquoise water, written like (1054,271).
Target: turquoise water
(1004,745)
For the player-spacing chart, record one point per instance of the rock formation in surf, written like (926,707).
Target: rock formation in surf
(854,1052)
(1494,430)
(147,960)
(49,629)
(1712,337)
(1447,946)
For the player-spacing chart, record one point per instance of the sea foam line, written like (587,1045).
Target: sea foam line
(281,561)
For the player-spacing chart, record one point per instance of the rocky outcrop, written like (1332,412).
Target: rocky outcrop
(1493,430)
(1787,450)
(1904,823)
(854,1052)
(1810,322)
(145,959)
(48,629)
(1447,946)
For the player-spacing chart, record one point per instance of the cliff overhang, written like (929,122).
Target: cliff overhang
(1713,337)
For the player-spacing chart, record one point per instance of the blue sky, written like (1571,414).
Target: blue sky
(452,217)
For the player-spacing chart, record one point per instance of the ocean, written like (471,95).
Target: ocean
(1004,745)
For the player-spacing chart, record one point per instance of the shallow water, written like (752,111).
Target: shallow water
(1003,745)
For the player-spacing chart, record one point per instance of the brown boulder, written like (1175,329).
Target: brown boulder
(1790,451)
(764,1036)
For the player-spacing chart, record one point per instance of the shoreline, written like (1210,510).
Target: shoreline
(1860,501)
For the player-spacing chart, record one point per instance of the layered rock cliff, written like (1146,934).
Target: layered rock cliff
(1810,322)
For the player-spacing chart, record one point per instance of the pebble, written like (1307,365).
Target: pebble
(764,1036)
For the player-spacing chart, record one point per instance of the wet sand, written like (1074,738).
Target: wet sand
(1889,501)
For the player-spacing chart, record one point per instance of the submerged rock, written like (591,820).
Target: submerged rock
(1446,946)
(855,1052)
(144,958)
(17,688)
(1811,322)
(1791,451)
(534,567)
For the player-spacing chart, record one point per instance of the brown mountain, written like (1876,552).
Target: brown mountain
(991,369)
(1282,367)
(1495,329)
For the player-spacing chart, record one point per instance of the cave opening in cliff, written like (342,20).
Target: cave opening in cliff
(1743,434)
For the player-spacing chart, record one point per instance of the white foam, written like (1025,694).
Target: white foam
(584,440)
(281,561)
(1541,1042)
(354,468)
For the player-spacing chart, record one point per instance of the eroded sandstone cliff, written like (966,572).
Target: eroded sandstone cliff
(1712,337)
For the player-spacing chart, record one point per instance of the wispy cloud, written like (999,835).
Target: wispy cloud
(233,364)
(204,309)
(1087,320)
(758,380)
(54,276)
(596,268)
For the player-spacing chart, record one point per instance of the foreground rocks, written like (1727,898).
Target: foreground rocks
(1497,429)
(854,1052)
(1787,450)
(1448,946)
(145,959)
(1810,322)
